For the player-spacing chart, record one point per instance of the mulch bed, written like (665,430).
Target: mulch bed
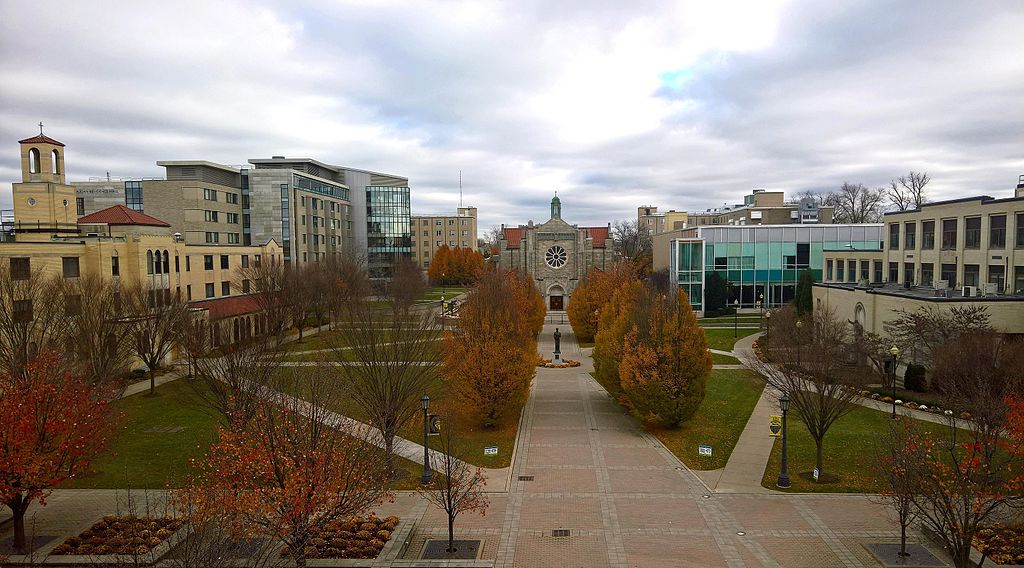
(120,535)
(565,364)
(355,537)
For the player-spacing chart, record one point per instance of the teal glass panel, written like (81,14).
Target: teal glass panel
(735,249)
(734,276)
(747,249)
(775,256)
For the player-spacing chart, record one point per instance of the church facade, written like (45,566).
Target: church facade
(558,255)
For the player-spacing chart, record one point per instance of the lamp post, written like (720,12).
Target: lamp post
(425,403)
(895,352)
(768,326)
(799,341)
(735,318)
(760,306)
(783,480)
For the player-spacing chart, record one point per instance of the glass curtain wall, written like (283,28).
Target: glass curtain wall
(686,263)
(387,228)
(767,260)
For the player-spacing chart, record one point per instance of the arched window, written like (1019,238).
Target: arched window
(149,262)
(33,161)
(55,158)
(167,263)
(159,264)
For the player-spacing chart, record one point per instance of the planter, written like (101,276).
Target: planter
(117,541)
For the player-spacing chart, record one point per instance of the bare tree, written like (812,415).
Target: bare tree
(406,286)
(458,487)
(33,319)
(266,282)
(855,203)
(491,239)
(631,240)
(923,331)
(896,461)
(157,318)
(907,192)
(294,294)
(814,386)
(397,363)
(98,333)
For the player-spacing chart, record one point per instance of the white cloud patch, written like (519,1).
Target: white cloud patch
(685,105)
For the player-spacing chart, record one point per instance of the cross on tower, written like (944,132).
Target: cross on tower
(40,128)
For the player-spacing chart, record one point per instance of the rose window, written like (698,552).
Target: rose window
(555,257)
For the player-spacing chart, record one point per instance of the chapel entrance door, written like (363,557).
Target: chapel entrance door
(555,304)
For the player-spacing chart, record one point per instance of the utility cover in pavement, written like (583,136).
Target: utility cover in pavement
(464,550)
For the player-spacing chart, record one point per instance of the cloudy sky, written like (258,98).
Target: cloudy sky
(685,105)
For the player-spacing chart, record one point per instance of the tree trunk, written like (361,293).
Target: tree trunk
(300,557)
(903,536)
(389,453)
(19,506)
(819,460)
(451,534)
(152,381)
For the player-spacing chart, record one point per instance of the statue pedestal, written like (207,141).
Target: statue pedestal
(556,357)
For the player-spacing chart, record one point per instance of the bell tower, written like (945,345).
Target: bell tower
(556,207)
(43,202)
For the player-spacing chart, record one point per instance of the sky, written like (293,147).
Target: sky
(685,105)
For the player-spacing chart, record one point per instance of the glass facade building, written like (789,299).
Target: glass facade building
(133,195)
(761,260)
(388,211)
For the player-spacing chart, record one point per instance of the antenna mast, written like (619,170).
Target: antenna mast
(460,189)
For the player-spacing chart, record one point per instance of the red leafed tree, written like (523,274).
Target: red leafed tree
(53,423)
(290,470)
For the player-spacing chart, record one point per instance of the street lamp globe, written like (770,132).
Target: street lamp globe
(799,323)
(425,402)
(895,351)
(784,402)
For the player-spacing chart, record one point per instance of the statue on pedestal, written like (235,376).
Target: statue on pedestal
(557,355)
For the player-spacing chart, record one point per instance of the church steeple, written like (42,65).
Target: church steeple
(556,207)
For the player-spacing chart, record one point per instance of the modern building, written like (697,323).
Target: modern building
(648,217)
(430,232)
(388,236)
(762,207)
(119,243)
(945,253)
(558,255)
(761,262)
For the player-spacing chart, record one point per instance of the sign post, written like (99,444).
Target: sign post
(704,450)
(491,450)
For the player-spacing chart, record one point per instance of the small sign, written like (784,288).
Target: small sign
(434,424)
(775,425)
(815,474)
(491,451)
(704,450)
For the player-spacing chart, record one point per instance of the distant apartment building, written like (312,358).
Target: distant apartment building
(648,217)
(431,232)
(762,207)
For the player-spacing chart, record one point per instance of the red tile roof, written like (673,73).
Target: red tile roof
(514,236)
(599,234)
(230,306)
(121,215)
(40,139)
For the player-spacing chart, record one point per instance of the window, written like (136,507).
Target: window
(224,261)
(70,265)
(997,276)
(225,288)
(927,274)
(878,271)
(209,289)
(256,260)
(115,266)
(1018,279)
(149,262)
(208,261)
(840,271)
(438,233)
(997,232)
(303,219)
(210,216)
(245,286)
(1020,230)
(303,238)
(828,269)
(948,234)
(851,270)
(54,162)
(188,264)
(22,311)
(909,236)
(928,235)
(894,236)
(451,222)
(212,237)
(73,304)
(908,272)
(80,206)
(177,263)
(233,238)
(33,161)
(245,261)
(231,197)
(133,195)
(210,194)
(972,234)
(21,268)
(948,274)
(231,218)
(188,291)
(972,275)
(894,272)
(865,271)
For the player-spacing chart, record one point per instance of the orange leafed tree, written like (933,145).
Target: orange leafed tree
(53,423)
(617,318)
(490,356)
(593,294)
(665,359)
(455,266)
(288,471)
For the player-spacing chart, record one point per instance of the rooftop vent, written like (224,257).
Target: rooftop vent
(277,157)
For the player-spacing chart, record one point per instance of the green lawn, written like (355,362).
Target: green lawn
(585,344)
(435,292)
(470,441)
(723,340)
(140,458)
(730,398)
(724,359)
(742,319)
(849,453)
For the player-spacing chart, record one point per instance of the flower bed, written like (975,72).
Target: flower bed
(565,364)
(909,404)
(1002,545)
(120,535)
(355,537)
